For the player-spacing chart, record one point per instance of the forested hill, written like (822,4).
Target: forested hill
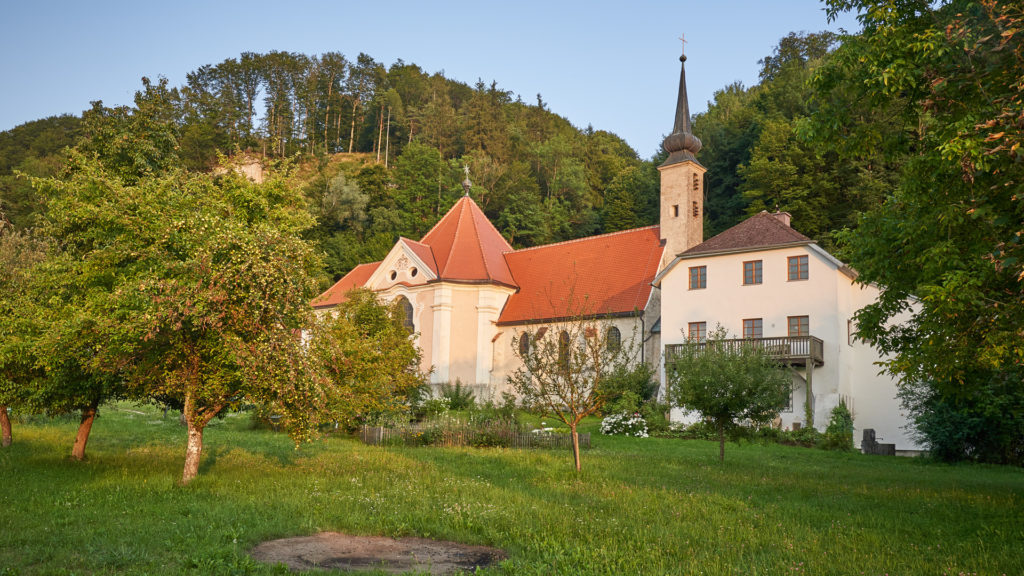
(381,150)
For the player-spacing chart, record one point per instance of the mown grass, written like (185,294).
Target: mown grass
(640,506)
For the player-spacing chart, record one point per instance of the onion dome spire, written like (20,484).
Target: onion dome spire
(681,144)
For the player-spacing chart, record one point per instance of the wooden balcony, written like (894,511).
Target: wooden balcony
(793,350)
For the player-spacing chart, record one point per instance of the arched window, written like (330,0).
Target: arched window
(524,344)
(407,311)
(614,339)
(563,350)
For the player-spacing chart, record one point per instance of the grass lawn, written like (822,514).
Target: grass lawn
(640,506)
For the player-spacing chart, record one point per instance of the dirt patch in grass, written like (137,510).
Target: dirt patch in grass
(335,551)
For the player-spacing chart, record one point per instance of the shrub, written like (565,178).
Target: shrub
(637,381)
(458,397)
(839,434)
(656,416)
(624,425)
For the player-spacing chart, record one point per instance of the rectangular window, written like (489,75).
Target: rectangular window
(851,332)
(799,326)
(698,331)
(675,210)
(789,401)
(752,328)
(698,277)
(798,267)
(752,272)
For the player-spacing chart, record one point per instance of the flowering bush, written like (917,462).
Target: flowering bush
(625,425)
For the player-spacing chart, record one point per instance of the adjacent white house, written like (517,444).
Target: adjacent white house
(763,280)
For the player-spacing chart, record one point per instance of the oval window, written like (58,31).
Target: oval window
(413,272)
(394,274)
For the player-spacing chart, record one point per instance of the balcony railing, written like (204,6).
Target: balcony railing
(798,350)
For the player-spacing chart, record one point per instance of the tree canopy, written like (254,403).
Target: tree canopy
(937,88)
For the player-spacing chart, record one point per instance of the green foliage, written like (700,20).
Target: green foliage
(758,158)
(630,386)
(368,362)
(180,285)
(983,427)
(936,87)
(727,384)
(456,396)
(839,434)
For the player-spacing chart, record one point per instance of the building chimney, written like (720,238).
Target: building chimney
(784,217)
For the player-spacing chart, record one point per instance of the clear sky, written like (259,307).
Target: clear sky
(610,64)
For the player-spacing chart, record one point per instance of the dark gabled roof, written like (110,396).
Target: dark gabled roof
(762,230)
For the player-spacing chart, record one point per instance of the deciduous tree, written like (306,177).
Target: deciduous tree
(728,381)
(563,369)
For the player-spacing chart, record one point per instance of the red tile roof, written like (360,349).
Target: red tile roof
(356,278)
(467,247)
(762,230)
(613,272)
(423,252)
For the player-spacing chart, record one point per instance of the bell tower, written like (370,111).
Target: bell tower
(682,182)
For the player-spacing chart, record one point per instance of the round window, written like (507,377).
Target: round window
(413,272)
(394,274)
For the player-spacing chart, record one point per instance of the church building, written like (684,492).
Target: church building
(469,296)
(467,293)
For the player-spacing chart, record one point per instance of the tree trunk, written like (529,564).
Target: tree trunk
(5,426)
(352,131)
(721,443)
(197,420)
(575,447)
(193,451)
(84,427)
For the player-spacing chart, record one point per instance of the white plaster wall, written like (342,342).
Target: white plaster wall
(506,362)
(875,404)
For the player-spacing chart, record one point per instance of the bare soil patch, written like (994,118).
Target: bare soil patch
(335,551)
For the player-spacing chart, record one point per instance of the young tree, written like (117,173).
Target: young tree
(563,369)
(367,358)
(728,382)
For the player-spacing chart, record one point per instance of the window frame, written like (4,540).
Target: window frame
(757,323)
(803,271)
(803,322)
(702,331)
(756,272)
(702,277)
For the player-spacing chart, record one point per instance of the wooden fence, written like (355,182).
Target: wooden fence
(452,436)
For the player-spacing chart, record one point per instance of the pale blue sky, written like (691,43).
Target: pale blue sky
(609,64)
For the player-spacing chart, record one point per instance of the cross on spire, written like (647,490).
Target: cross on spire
(682,38)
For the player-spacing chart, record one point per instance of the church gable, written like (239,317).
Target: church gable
(408,264)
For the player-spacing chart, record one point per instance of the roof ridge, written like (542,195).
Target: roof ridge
(563,242)
(455,235)
(480,244)
(441,219)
